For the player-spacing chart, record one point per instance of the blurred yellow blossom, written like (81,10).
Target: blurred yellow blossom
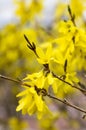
(77,7)
(17,124)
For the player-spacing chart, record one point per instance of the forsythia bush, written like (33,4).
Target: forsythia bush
(60,65)
(56,54)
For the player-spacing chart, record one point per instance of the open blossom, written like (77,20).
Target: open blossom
(16,124)
(31,101)
(69,33)
(24,10)
(44,56)
(77,7)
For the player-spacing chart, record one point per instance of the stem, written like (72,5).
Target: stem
(67,103)
(8,78)
(45,93)
(14,80)
(31,46)
(72,16)
(80,89)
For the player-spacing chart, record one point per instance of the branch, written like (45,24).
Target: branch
(80,89)
(67,103)
(44,92)
(31,46)
(10,79)
(71,15)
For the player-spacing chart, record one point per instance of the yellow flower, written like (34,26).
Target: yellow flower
(71,38)
(60,10)
(62,66)
(27,10)
(77,7)
(66,27)
(37,79)
(16,124)
(59,87)
(48,123)
(44,56)
(31,103)
(80,40)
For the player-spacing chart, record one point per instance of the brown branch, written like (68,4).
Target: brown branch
(14,80)
(31,46)
(72,16)
(67,103)
(10,79)
(45,93)
(80,89)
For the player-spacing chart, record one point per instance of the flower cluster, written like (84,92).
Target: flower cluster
(60,59)
(32,97)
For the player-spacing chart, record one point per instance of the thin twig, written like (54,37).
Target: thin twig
(31,46)
(72,16)
(14,80)
(67,103)
(45,93)
(80,89)
(10,79)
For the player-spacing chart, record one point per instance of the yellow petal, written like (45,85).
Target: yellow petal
(40,52)
(39,102)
